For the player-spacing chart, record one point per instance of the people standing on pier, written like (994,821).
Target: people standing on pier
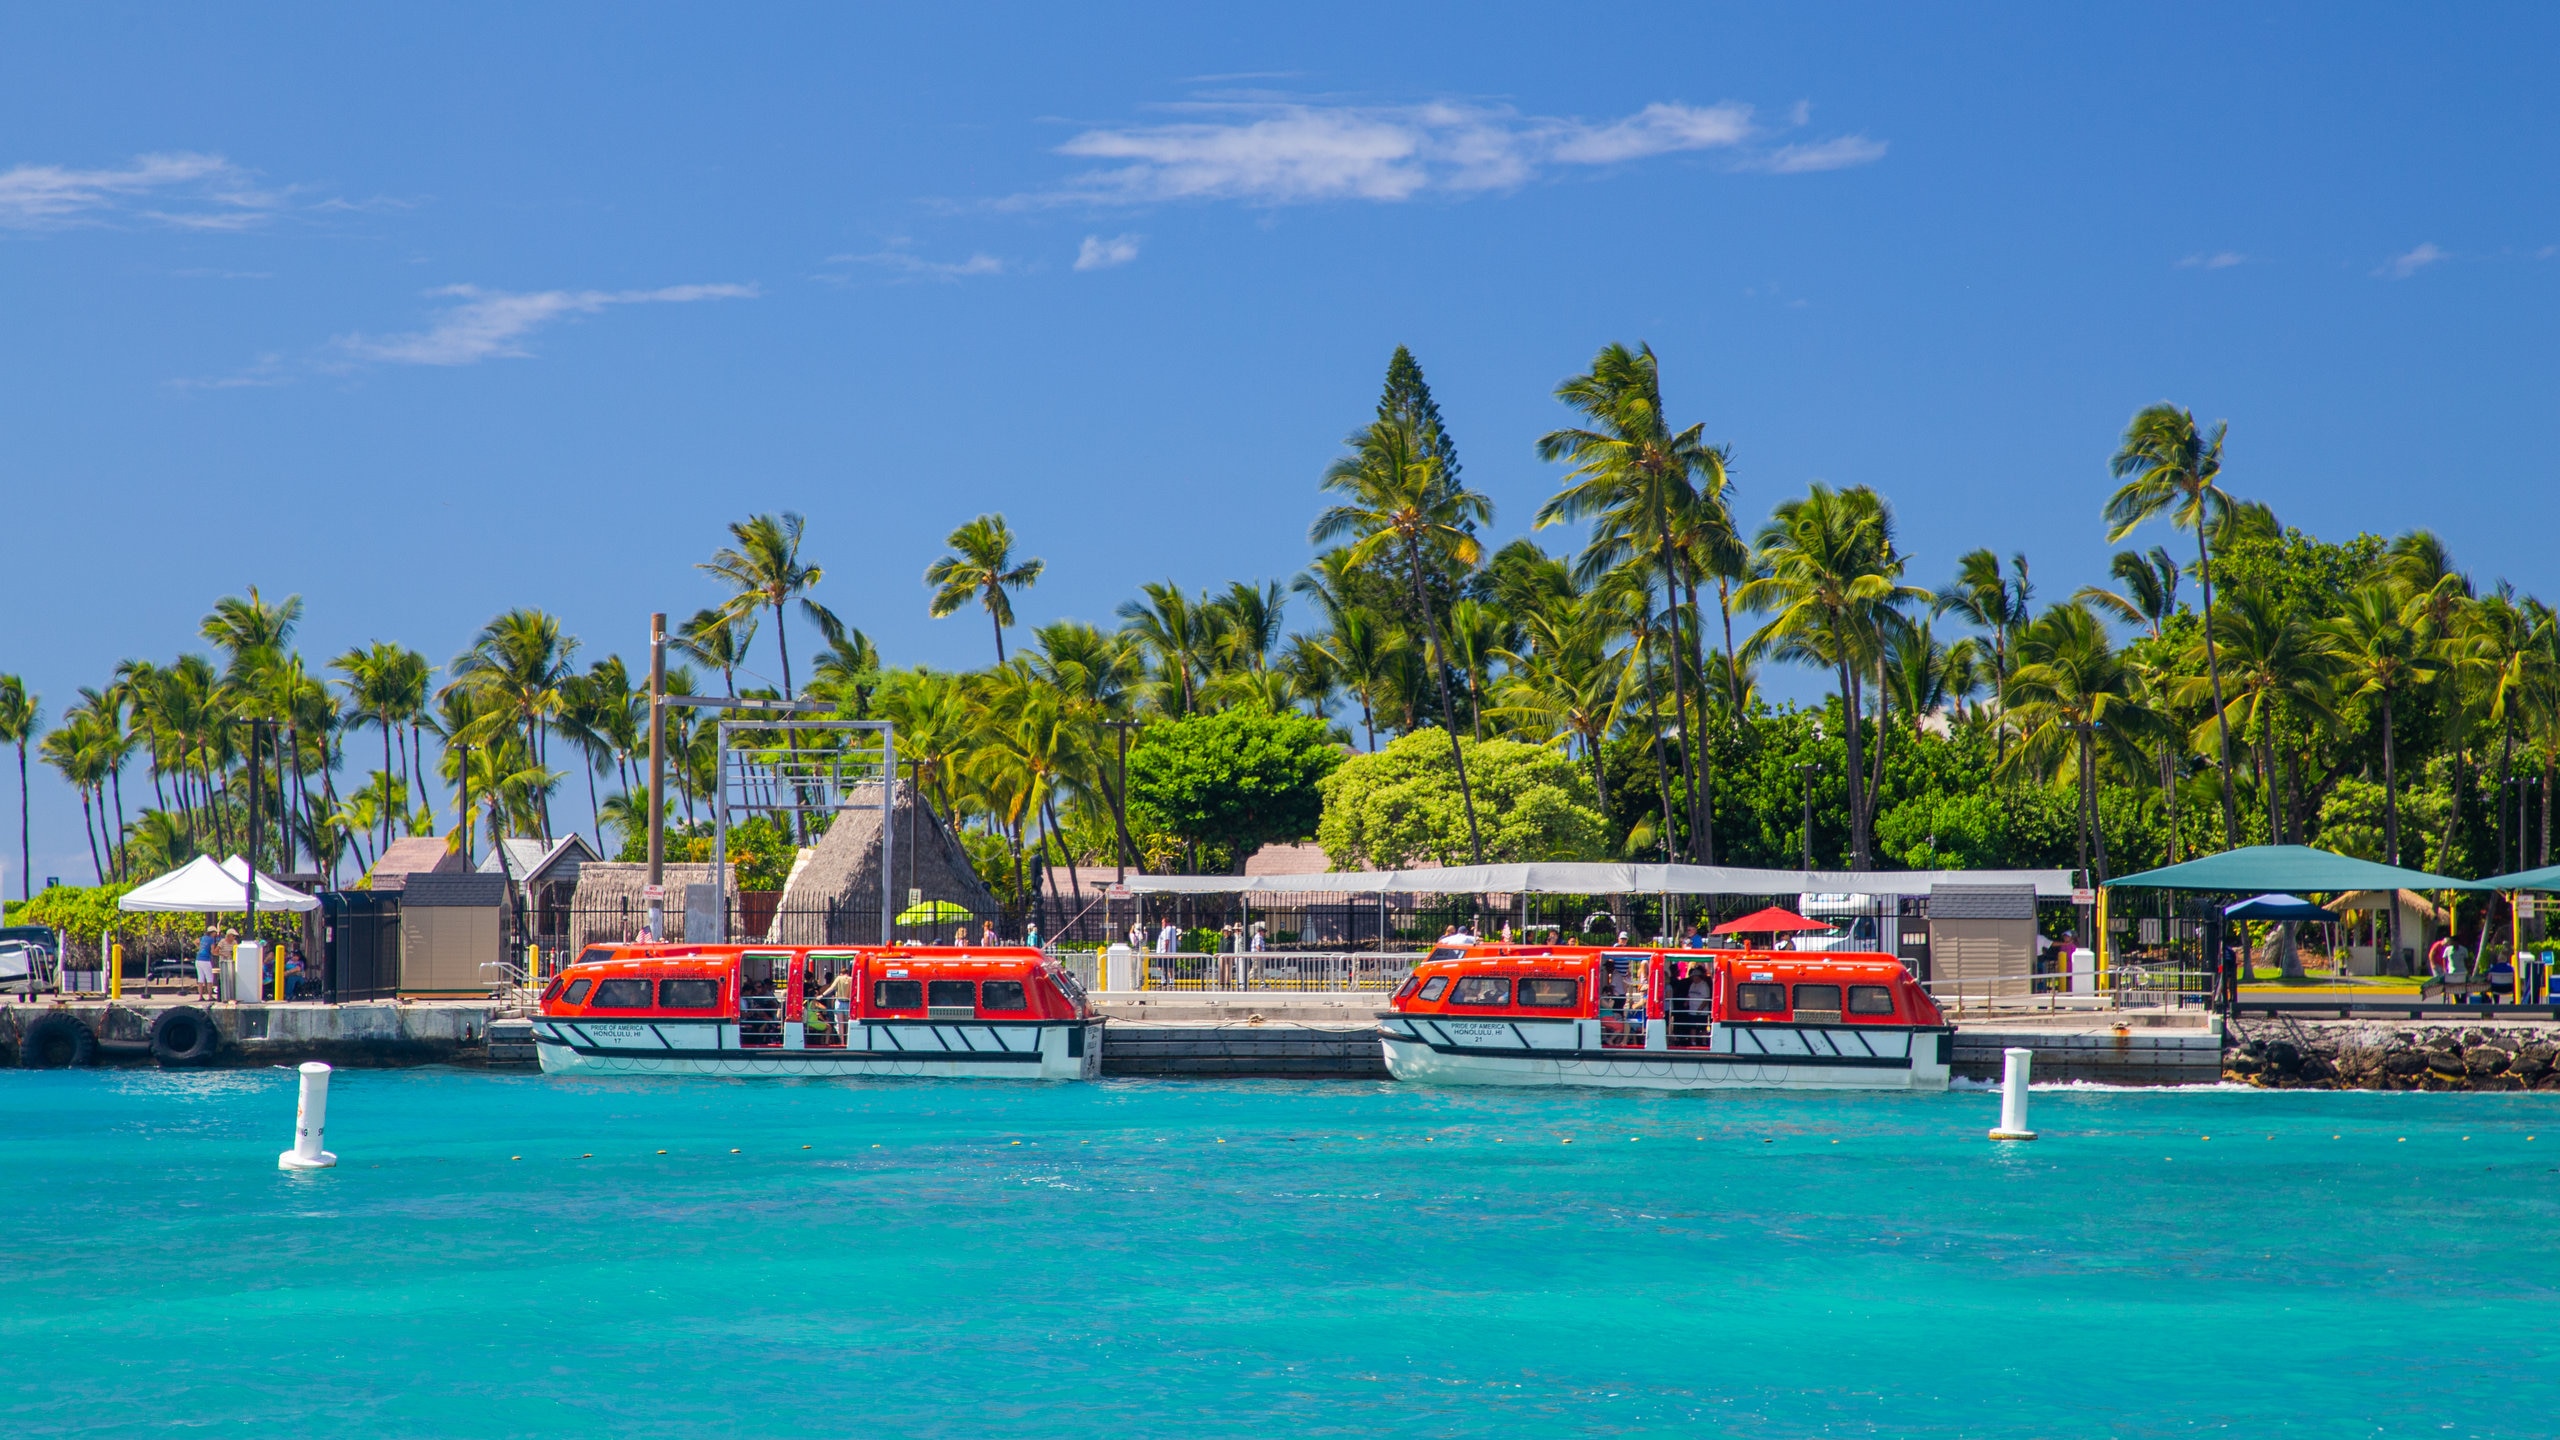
(1169,938)
(204,961)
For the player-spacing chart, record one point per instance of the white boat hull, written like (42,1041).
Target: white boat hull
(1434,1050)
(960,1050)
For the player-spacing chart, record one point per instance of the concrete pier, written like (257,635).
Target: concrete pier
(382,1033)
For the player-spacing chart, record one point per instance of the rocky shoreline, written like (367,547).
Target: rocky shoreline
(2294,1054)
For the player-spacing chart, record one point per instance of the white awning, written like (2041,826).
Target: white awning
(1590,878)
(214,888)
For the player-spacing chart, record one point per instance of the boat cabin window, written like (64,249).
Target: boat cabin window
(1760,999)
(1448,952)
(595,952)
(1540,992)
(897,995)
(1435,987)
(622,995)
(755,974)
(1004,995)
(1870,1000)
(578,991)
(1483,990)
(951,992)
(688,994)
(1818,997)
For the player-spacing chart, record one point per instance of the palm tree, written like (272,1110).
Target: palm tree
(1250,624)
(1399,503)
(1567,686)
(980,567)
(765,571)
(2380,655)
(2071,695)
(717,639)
(21,721)
(1924,676)
(1833,573)
(514,671)
(1647,488)
(2168,464)
(2150,594)
(372,679)
(1181,632)
(1992,602)
(2278,673)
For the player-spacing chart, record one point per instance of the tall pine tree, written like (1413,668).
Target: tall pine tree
(1408,398)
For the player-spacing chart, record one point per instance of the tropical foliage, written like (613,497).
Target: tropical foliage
(1420,691)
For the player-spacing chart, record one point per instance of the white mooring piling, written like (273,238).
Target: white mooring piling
(2013,1095)
(310,1121)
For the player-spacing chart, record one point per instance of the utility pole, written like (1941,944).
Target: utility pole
(657,776)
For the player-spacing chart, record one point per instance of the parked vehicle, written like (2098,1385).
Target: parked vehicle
(1666,1019)
(1001,1013)
(29,956)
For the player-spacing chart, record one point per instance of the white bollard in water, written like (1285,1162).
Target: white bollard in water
(2013,1095)
(310,1120)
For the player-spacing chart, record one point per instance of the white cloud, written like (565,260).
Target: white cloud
(182,189)
(1278,152)
(1835,154)
(490,324)
(918,267)
(2401,267)
(1100,253)
(2218,260)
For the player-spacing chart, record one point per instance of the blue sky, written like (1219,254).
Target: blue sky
(422,314)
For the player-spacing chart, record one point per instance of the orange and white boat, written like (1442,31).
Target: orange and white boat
(1666,1019)
(989,1014)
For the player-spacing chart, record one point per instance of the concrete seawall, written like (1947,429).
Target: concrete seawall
(355,1036)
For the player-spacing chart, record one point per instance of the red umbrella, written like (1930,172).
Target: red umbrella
(1768,922)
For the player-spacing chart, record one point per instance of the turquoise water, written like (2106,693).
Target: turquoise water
(1267,1259)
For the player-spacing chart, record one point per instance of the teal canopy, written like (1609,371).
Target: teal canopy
(2546,878)
(2294,869)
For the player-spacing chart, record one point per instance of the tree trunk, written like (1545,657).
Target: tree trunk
(1850,738)
(1448,709)
(2286,954)
(2213,672)
(2390,787)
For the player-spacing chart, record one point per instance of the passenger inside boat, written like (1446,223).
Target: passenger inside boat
(759,1001)
(1622,999)
(829,1010)
(1689,993)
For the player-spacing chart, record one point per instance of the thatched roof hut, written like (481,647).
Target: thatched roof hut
(834,895)
(609,905)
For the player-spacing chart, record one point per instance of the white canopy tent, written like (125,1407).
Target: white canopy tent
(203,884)
(1600,878)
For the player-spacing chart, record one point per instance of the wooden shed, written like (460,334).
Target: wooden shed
(610,904)
(1982,941)
(452,935)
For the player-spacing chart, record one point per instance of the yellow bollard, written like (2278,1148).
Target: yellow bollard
(533,966)
(274,958)
(115,972)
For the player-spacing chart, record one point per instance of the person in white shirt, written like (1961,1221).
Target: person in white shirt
(1168,939)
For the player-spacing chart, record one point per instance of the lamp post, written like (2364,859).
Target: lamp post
(1808,769)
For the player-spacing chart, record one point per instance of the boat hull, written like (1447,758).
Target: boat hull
(959,1050)
(1431,1051)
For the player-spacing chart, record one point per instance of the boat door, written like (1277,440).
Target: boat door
(1626,1000)
(762,975)
(825,968)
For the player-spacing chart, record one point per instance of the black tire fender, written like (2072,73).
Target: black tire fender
(183,1035)
(57,1039)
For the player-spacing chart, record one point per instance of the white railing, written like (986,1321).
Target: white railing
(1266,970)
